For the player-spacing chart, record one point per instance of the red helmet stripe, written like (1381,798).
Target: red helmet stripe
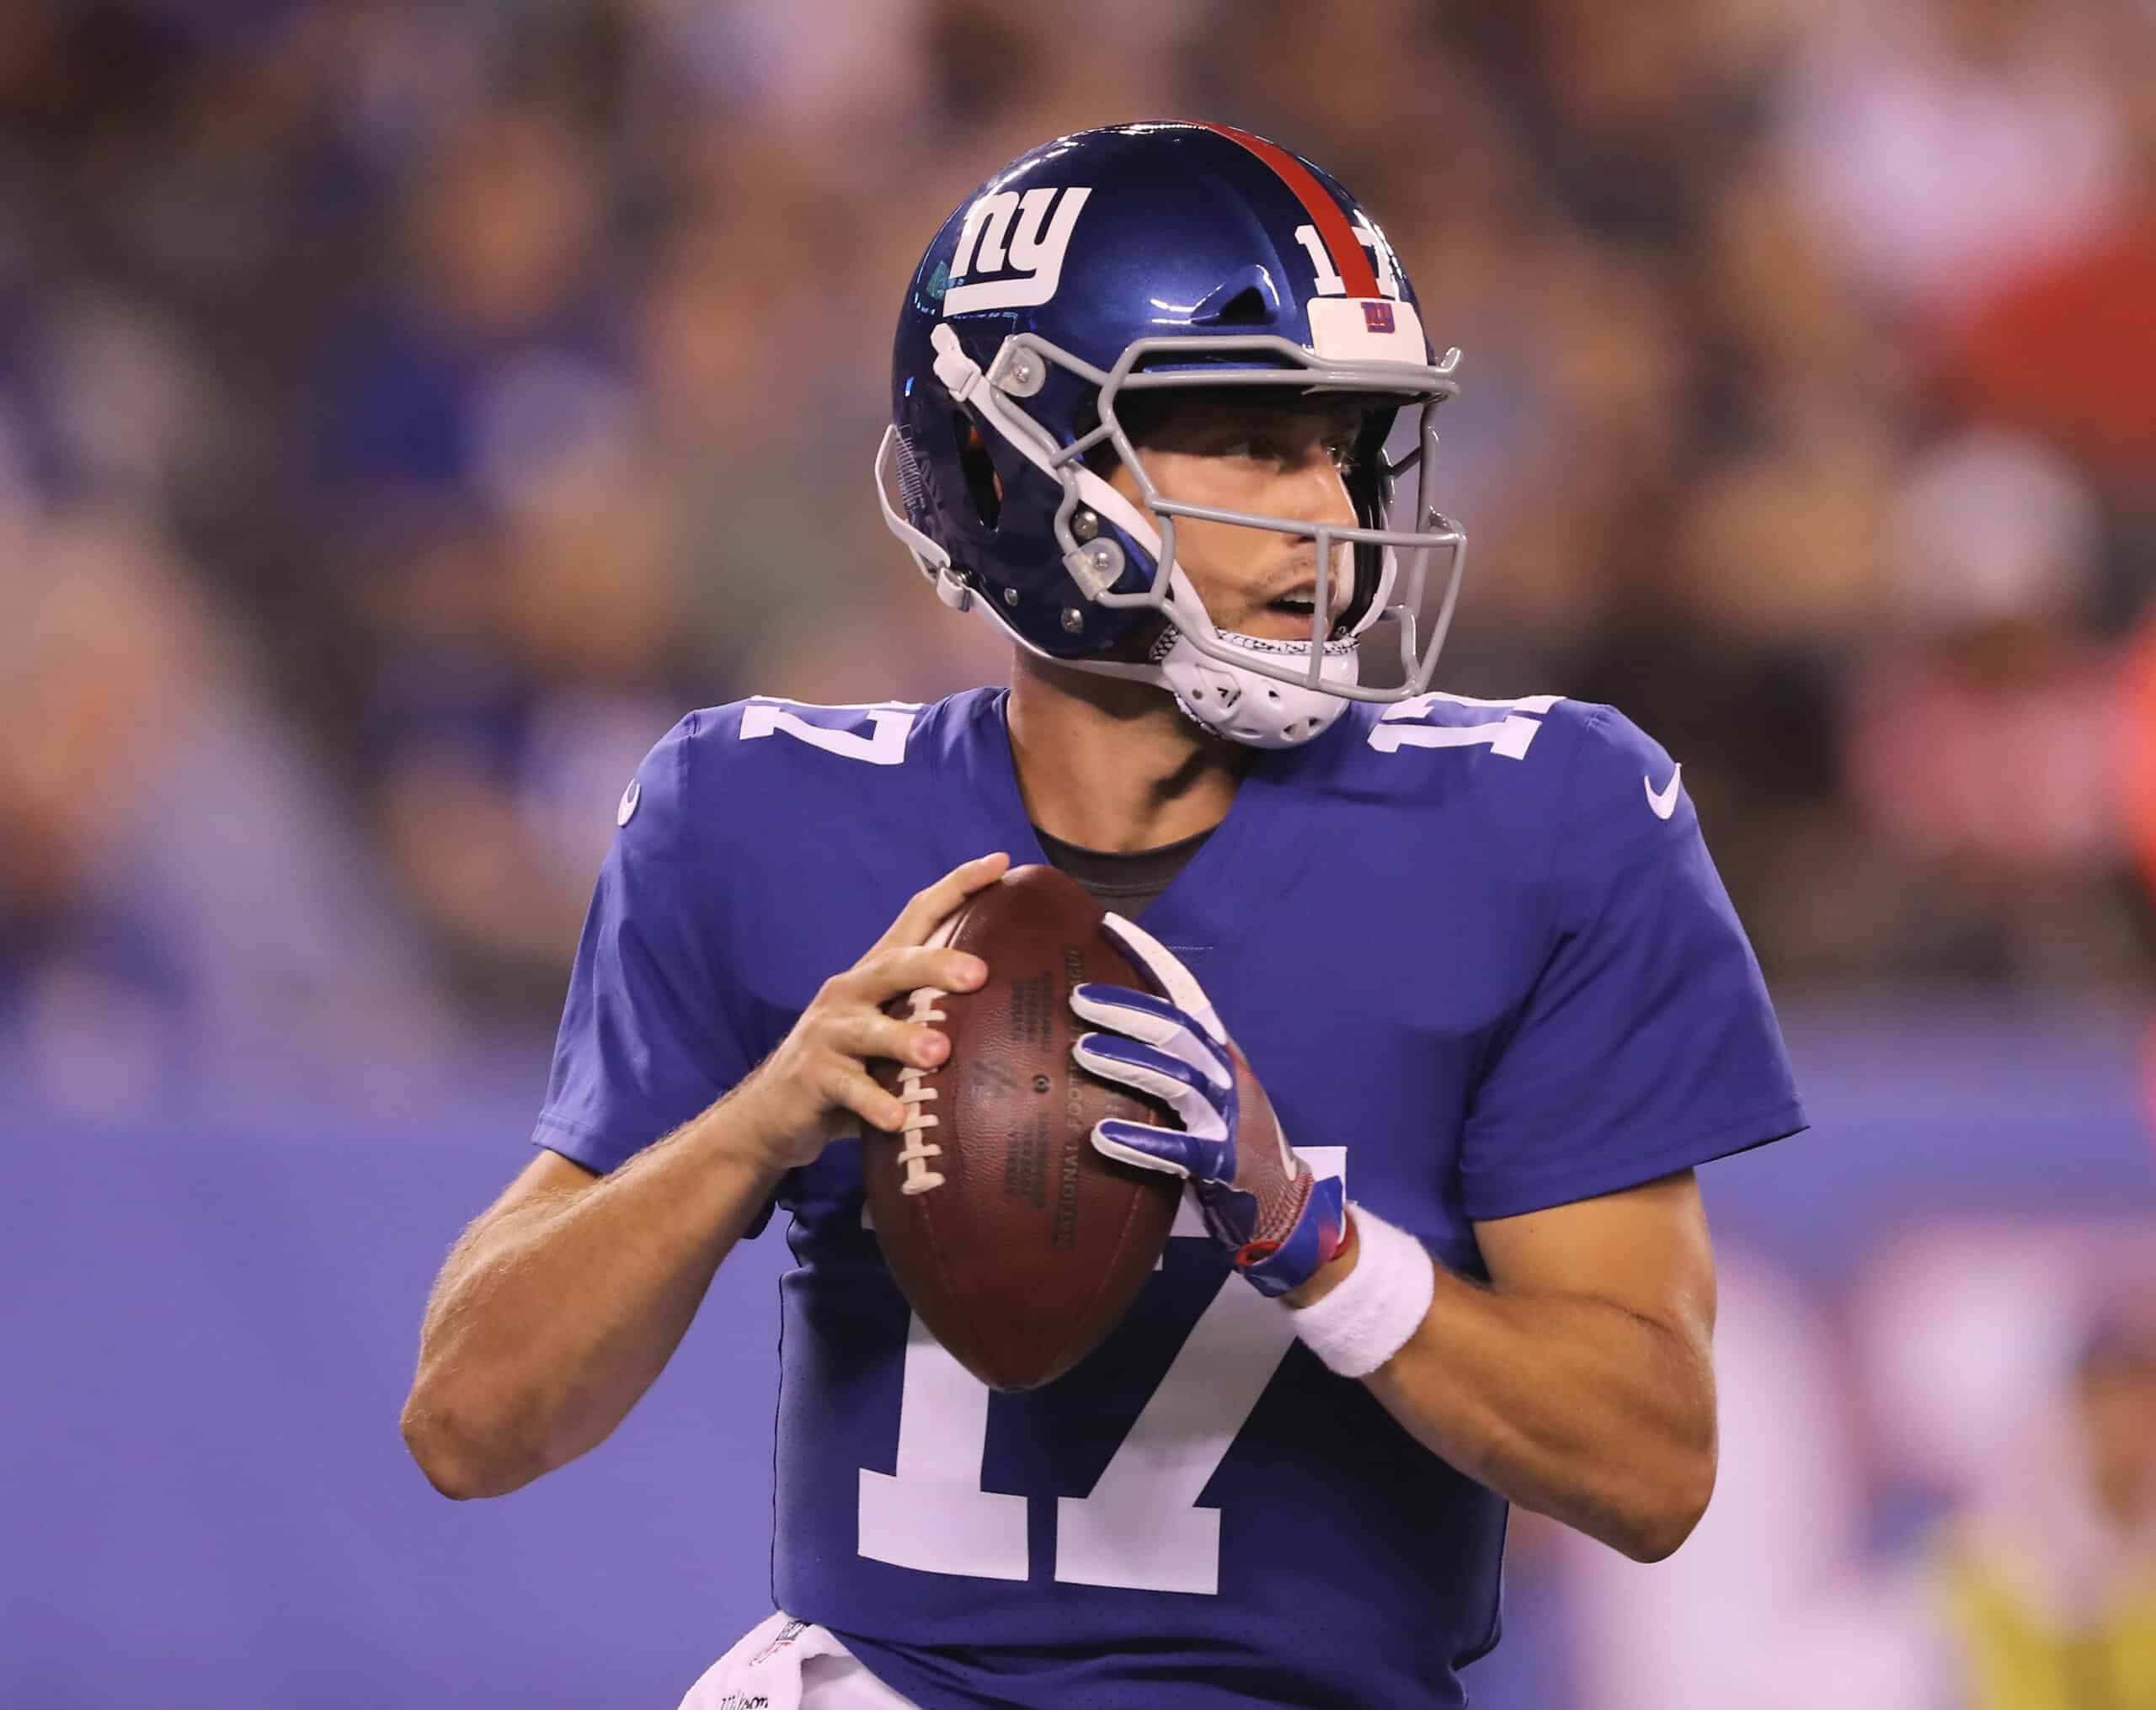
(1348,260)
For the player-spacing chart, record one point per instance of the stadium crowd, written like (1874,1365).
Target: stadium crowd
(409,407)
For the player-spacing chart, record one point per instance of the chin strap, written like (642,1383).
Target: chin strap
(1247,706)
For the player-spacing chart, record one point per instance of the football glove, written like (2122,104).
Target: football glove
(1278,1222)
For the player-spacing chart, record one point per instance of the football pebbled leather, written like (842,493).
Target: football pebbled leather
(1020,1246)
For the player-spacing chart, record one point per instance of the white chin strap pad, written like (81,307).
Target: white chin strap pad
(1248,707)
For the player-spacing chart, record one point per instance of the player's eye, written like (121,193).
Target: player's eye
(1340,449)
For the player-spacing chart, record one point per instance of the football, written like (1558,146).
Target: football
(1018,1245)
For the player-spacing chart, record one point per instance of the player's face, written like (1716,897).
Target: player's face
(1277,459)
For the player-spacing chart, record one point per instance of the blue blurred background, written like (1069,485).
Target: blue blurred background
(409,407)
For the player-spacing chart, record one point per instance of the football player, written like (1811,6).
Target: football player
(1164,410)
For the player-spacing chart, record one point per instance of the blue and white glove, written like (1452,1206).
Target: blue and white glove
(1278,1220)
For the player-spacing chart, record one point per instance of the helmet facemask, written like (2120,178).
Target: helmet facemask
(1265,692)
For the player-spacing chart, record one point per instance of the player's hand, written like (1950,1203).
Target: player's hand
(816,1084)
(1278,1220)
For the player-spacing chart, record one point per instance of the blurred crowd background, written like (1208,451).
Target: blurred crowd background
(409,407)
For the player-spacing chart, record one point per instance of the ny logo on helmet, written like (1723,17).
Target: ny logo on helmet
(1020,237)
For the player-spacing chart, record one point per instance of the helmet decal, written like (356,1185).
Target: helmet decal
(1033,258)
(1330,230)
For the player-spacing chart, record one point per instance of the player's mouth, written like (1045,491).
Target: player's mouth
(1287,615)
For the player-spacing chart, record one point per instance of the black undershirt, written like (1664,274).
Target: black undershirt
(1123,884)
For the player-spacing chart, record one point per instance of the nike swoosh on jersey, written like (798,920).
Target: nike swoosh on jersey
(630,798)
(1664,802)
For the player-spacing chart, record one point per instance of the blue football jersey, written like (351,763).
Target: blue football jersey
(1479,957)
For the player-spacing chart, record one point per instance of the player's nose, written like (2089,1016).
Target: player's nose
(1320,487)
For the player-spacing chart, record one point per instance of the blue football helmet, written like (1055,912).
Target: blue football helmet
(1137,259)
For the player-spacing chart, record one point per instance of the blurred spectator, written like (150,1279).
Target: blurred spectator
(809,66)
(1629,115)
(1983,740)
(178,896)
(1944,143)
(2051,1583)
(2064,346)
(493,331)
(402,74)
(480,434)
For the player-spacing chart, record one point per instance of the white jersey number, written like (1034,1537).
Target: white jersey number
(1511,735)
(1140,1527)
(891,722)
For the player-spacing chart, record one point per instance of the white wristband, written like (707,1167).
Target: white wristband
(1367,1318)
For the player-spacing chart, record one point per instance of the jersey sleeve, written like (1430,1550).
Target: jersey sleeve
(1647,1044)
(647,1041)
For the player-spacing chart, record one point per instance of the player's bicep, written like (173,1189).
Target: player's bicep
(1644,1248)
(649,1034)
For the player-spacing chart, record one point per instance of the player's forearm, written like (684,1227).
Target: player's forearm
(551,1319)
(1572,1406)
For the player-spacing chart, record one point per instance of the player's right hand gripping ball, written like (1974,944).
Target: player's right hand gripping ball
(1278,1220)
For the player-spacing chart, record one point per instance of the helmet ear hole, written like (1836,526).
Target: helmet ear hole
(982,488)
(1247,308)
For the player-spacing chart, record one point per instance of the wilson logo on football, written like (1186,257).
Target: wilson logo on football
(1021,238)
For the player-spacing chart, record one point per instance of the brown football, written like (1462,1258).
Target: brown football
(1020,1246)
